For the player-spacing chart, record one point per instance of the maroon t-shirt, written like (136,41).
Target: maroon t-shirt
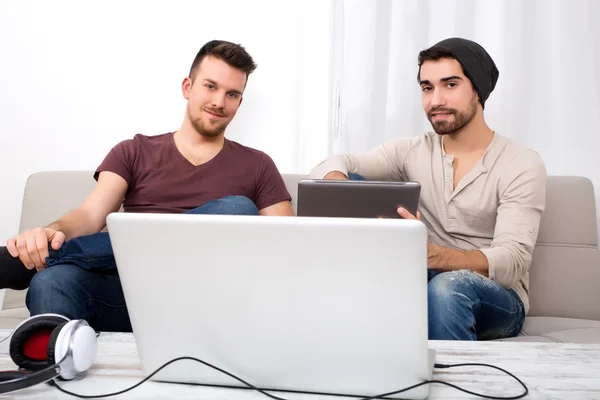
(161,180)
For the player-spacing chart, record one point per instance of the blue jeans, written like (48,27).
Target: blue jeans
(463,305)
(81,280)
(355,177)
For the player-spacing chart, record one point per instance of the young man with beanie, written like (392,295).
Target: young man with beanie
(482,197)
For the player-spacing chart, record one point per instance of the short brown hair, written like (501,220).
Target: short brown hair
(233,54)
(433,54)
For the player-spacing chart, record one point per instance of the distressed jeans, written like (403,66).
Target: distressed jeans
(81,280)
(463,305)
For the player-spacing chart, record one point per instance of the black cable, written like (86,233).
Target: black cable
(442,366)
(264,391)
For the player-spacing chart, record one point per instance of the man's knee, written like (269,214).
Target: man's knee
(50,291)
(449,287)
(239,205)
(229,205)
(45,282)
(450,304)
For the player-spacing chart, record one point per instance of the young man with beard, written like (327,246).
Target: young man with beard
(482,197)
(69,266)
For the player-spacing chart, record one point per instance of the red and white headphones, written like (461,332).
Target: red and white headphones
(49,346)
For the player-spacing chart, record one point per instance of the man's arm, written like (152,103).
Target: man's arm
(114,175)
(281,209)
(446,259)
(384,162)
(272,197)
(31,246)
(90,216)
(522,203)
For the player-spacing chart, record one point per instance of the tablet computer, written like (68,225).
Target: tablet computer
(356,198)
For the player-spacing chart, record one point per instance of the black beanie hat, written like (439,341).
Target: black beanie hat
(477,64)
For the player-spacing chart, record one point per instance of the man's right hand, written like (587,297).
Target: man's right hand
(31,246)
(336,175)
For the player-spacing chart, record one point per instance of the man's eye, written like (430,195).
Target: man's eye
(426,88)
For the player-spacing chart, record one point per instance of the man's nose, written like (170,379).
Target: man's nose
(218,100)
(437,99)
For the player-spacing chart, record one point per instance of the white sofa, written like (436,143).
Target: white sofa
(564,275)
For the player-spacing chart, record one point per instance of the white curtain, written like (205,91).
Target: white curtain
(548,53)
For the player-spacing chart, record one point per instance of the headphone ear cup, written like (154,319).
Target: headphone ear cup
(80,338)
(52,344)
(29,343)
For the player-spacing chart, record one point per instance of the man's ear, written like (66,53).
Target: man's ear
(241,99)
(186,87)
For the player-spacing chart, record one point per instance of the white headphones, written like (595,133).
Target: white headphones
(49,346)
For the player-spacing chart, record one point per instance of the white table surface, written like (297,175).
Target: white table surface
(550,370)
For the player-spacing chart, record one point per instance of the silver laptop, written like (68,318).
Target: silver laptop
(328,305)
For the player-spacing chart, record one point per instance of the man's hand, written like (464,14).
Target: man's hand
(31,247)
(431,248)
(404,213)
(336,175)
(446,259)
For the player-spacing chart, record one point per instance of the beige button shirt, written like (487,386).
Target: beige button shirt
(495,208)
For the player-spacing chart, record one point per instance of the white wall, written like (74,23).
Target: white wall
(78,77)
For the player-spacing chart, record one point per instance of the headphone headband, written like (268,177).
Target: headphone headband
(30,379)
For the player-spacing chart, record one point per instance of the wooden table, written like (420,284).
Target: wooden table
(550,370)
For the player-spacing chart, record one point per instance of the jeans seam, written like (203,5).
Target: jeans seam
(87,303)
(86,259)
(516,328)
(515,309)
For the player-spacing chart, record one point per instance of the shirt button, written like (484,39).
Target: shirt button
(447,179)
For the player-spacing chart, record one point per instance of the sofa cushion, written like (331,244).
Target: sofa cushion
(564,275)
(552,329)
(570,214)
(564,281)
